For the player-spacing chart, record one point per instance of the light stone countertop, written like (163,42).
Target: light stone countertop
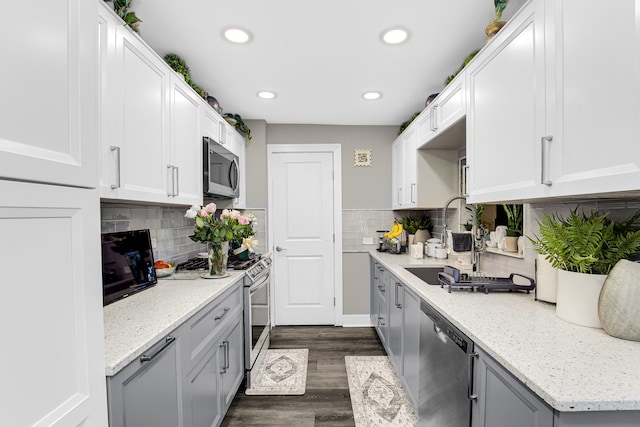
(573,368)
(134,324)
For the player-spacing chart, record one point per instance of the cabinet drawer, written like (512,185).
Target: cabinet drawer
(205,325)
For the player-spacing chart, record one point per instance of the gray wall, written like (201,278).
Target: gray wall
(362,187)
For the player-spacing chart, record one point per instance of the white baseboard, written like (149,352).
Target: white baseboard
(356,321)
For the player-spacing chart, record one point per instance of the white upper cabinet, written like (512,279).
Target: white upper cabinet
(593,112)
(185,167)
(505,118)
(150,133)
(240,202)
(49,78)
(554,106)
(397,172)
(439,125)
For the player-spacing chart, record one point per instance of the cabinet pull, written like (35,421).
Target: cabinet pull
(465,175)
(167,341)
(435,118)
(470,390)
(381,321)
(545,141)
(117,150)
(177,185)
(224,313)
(173,183)
(381,287)
(223,346)
(227,357)
(399,194)
(398,285)
(413,186)
(223,134)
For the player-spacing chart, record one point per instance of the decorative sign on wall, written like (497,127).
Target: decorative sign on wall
(362,157)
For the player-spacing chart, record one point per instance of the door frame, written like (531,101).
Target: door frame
(336,150)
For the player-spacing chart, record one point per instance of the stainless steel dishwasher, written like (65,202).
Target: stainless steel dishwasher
(446,372)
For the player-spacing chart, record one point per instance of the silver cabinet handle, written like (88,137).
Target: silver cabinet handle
(382,290)
(117,150)
(167,341)
(413,186)
(170,192)
(224,346)
(465,174)
(399,193)
(470,390)
(435,118)
(227,357)
(545,141)
(177,185)
(398,286)
(224,313)
(280,249)
(381,321)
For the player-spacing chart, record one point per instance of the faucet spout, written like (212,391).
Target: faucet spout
(444,218)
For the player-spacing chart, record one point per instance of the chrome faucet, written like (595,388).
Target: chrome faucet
(444,218)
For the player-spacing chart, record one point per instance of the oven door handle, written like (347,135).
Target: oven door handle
(263,281)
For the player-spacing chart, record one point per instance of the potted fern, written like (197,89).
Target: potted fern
(584,248)
(414,224)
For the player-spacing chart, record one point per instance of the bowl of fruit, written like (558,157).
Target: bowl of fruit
(164,268)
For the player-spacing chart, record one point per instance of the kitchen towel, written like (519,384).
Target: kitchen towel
(461,242)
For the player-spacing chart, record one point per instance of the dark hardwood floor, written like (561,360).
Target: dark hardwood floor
(326,401)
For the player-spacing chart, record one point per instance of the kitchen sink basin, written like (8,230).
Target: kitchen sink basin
(429,275)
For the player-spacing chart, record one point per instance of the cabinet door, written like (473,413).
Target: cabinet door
(595,146)
(411,345)
(410,166)
(382,325)
(505,118)
(48,125)
(232,371)
(185,167)
(202,394)
(397,172)
(425,126)
(54,354)
(140,152)
(375,280)
(502,401)
(450,105)
(396,318)
(240,202)
(147,393)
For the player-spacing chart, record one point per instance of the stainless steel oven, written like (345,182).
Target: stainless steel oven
(257,315)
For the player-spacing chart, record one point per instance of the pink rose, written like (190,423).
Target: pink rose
(225,213)
(243,220)
(210,208)
(203,212)
(235,214)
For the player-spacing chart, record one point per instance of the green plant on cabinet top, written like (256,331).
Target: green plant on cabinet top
(121,7)
(178,65)
(590,244)
(239,124)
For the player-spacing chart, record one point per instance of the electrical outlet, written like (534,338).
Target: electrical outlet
(367,240)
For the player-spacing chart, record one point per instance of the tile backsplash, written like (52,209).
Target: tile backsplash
(363,223)
(168,227)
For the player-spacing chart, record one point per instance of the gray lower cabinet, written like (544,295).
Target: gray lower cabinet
(379,293)
(411,344)
(147,391)
(396,323)
(503,401)
(190,377)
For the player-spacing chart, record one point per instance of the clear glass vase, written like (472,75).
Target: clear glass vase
(218,254)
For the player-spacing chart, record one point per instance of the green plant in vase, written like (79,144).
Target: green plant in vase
(121,7)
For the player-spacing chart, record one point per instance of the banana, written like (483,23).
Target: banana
(397,232)
(391,232)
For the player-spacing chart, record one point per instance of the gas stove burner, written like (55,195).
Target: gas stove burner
(200,263)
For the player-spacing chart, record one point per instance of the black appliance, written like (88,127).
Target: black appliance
(127,264)
(221,170)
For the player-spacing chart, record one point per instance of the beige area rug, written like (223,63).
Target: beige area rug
(377,397)
(283,372)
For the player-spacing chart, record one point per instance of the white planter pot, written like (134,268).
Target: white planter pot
(546,280)
(578,295)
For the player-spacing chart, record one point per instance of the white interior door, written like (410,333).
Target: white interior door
(302,210)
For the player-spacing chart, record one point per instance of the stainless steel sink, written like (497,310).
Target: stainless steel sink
(429,275)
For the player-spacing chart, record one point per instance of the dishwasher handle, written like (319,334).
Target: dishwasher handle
(471,395)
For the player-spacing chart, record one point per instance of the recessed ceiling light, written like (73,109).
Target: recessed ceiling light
(265,94)
(237,35)
(395,36)
(371,96)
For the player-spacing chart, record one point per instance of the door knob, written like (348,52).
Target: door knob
(279,249)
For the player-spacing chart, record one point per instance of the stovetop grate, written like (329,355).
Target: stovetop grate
(200,263)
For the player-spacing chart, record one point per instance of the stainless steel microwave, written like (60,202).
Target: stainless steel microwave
(221,170)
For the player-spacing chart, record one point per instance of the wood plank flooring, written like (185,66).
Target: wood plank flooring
(326,401)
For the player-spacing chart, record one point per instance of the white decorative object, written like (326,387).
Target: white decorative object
(362,157)
(417,250)
(578,295)
(619,301)
(411,238)
(546,280)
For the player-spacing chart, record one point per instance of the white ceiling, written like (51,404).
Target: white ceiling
(320,56)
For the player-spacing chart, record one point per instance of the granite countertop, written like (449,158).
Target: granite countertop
(134,324)
(573,368)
